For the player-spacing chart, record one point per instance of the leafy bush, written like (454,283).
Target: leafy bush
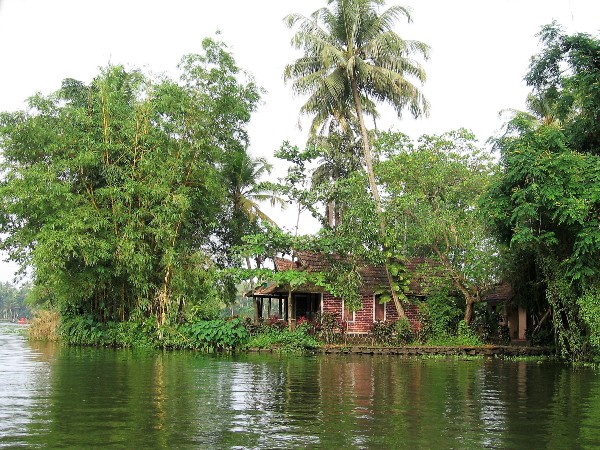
(438,316)
(206,335)
(215,335)
(382,332)
(331,328)
(404,332)
(298,341)
(397,332)
(84,330)
(466,335)
(589,305)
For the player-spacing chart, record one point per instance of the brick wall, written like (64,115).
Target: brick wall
(362,320)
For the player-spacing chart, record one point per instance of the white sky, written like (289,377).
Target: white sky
(480,53)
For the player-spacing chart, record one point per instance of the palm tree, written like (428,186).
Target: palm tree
(340,156)
(243,174)
(352,59)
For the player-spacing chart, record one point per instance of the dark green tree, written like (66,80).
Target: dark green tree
(435,189)
(546,205)
(565,76)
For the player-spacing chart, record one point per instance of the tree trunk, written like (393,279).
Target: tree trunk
(374,191)
(469,311)
(330,212)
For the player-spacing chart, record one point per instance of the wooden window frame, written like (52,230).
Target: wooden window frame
(375,303)
(345,316)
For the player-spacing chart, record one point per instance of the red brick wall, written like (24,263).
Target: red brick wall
(362,320)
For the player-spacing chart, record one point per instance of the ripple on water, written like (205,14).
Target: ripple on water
(23,387)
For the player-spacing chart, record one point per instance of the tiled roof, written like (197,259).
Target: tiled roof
(282,264)
(373,276)
(500,293)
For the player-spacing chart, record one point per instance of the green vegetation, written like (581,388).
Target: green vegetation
(353,59)
(546,204)
(45,326)
(298,341)
(114,192)
(13,302)
(137,208)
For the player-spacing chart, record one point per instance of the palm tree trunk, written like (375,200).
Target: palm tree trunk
(374,191)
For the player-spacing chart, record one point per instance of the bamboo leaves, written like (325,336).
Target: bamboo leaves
(112,189)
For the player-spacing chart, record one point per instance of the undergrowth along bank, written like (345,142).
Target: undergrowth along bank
(236,334)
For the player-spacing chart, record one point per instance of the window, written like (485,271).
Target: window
(378,309)
(348,315)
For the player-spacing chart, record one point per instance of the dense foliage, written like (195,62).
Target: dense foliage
(13,304)
(135,204)
(353,59)
(546,205)
(435,190)
(113,191)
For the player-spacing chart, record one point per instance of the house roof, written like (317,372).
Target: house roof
(373,276)
(501,293)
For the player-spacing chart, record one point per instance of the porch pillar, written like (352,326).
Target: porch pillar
(291,315)
(260,308)
(522,322)
(255,304)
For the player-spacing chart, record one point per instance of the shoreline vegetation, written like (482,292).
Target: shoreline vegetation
(134,204)
(237,335)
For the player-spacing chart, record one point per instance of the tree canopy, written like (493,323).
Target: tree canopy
(112,191)
(546,204)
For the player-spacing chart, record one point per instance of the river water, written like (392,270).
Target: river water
(60,397)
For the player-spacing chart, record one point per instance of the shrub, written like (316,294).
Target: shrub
(438,316)
(589,305)
(382,332)
(404,331)
(466,336)
(44,326)
(297,341)
(397,332)
(214,335)
(331,328)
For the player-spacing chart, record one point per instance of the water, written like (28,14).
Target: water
(58,397)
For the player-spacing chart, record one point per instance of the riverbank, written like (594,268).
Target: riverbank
(424,350)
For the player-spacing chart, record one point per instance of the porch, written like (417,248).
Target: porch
(285,306)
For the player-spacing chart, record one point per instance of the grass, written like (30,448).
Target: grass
(44,326)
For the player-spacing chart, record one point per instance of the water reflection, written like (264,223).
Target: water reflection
(72,397)
(24,387)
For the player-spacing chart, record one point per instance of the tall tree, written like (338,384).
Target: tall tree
(434,209)
(112,190)
(243,174)
(565,76)
(339,156)
(352,59)
(546,204)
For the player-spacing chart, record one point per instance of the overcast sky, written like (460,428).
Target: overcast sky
(480,53)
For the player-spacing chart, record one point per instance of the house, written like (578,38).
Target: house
(305,301)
